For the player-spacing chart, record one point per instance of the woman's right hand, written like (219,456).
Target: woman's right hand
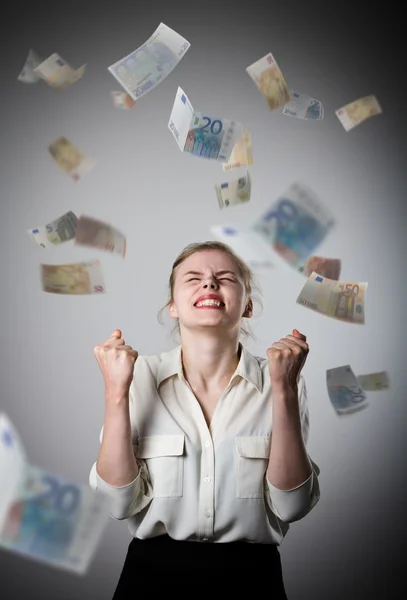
(116,361)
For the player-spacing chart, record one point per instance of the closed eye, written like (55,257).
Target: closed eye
(223,279)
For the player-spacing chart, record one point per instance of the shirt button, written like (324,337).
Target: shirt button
(207,444)
(207,480)
(207,514)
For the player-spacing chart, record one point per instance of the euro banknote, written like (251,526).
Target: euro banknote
(27,73)
(246,243)
(57,73)
(234,192)
(143,69)
(54,521)
(61,230)
(13,462)
(202,135)
(343,300)
(327,267)
(70,159)
(344,391)
(356,112)
(373,382)
(303,107)
(122,100)
(295,224)
(269,80)
(97,234)
(242,153)
(74,278)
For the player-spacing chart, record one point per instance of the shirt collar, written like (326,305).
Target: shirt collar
(248,367)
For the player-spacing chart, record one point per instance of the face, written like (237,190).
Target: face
(209,272)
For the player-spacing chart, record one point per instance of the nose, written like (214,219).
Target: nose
(210,282)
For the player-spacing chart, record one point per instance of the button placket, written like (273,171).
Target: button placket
(206,491)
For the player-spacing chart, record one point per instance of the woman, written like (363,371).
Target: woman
(203,447)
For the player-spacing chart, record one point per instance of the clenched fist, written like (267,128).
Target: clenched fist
(286,359)
(116,361)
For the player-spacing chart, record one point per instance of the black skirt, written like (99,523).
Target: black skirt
(167,565)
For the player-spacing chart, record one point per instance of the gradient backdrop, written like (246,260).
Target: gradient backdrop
(351,545)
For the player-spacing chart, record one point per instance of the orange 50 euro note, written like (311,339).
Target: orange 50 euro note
(343,300)
(74,278)
(269,79)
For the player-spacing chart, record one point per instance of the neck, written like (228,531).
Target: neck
(209,362)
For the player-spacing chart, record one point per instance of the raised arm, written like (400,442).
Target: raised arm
(116,472)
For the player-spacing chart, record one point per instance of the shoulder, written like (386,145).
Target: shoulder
(153,367)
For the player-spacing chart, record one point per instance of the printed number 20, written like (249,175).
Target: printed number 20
(65,498)
(212,124)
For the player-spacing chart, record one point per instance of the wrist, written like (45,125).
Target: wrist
(116,398)
(284,388)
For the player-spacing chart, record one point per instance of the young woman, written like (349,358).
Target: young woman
(203,448)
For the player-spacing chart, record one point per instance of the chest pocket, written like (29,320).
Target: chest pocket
(164,457)
(252,461)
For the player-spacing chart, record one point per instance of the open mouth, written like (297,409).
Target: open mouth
(212,304)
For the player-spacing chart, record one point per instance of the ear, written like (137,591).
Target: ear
(173,310)
(248,312)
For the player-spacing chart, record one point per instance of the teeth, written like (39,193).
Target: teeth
(209,303)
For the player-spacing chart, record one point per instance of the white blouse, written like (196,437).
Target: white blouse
(206,484)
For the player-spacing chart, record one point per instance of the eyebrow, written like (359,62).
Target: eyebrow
(218,273)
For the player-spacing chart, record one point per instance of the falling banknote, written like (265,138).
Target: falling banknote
(303,107)
(27,74)
(202,135)
(373,382)
(70,159)
(12,464)
(54,521)
(242,155)
(343,300)
(295,224)
(358,111)
(344,390)
(246,243)
(94,233)
(234,192)
(327,267)
(270,81)
(143,69)
(57,73)
(54,233)
(74,278)
(122,100)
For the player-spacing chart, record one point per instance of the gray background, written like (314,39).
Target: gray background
(51,387)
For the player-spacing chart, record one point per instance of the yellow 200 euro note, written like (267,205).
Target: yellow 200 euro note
(74,278)
(270,81)
(343,300)
(373,382)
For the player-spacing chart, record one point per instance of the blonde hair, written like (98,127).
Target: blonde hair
(247,275)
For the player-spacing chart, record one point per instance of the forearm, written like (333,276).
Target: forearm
(289,465)
(116,463)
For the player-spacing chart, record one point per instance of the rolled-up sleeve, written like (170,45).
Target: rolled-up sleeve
(292,505)
(126,500)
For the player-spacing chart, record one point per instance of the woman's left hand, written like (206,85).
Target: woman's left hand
(286,359)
